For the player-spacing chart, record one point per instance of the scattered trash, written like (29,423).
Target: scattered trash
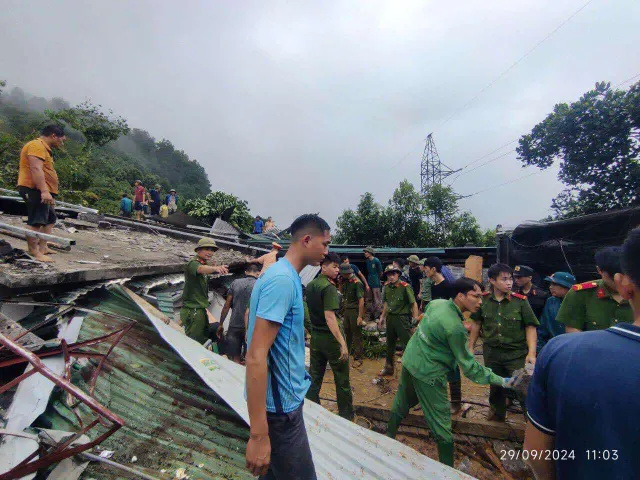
(72,229)
(201,465)
(91,262)
(107,453)
(105,256)
(134,459)
(181,474)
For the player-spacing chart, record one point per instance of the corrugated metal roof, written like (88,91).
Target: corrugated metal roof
(172,419)
(224,228)
(308,273)
(340,448)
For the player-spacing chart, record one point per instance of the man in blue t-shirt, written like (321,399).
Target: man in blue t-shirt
(257,225)
(584,396)
(374,272)
(276,377)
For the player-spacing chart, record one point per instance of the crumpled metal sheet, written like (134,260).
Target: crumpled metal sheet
(341,449)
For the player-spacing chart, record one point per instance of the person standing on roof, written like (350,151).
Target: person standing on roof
(171,201)
(522,277)
(374,272)
(193,314)
(154,200)
(584,397)
(399,308)
(561,283)
(327,342)
(415,274)
(38,187)
(596,305)
(237,301)
(126,206)
(139,198)
(268,225)
(437,348)
(258,224)
(277,381)
(356,271)
(510,336)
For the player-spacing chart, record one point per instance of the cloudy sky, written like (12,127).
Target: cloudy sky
(303,106)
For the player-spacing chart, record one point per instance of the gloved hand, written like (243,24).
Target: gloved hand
(519,380)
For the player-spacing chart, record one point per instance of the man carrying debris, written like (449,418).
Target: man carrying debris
(327,342)
(374,272)
(510,336)
(399,307)
(139,198)
(277,381)
(596,305)
(238,298)
(38,187)
(583,399)
(523,278)
(437,348)
(193,314)
(353,306)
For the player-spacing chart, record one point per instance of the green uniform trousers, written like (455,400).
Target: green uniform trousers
(433,400)
(455,386)
(325,348)
(352,332)
(503,362)
(398,327)
(196,323)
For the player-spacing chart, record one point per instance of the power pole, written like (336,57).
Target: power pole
(432,170)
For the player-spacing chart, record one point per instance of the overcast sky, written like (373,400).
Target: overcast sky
(303,106)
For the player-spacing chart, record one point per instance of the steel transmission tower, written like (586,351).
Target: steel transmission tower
(432,170)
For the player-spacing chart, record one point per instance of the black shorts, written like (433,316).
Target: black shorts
(38,213)
(137,206)
(234,342)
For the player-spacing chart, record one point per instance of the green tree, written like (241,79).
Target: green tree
(404,218)
(596,141)
(214,204)
(463,230)
(364,226)
(441,204)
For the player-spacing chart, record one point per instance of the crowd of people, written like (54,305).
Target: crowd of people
(439,319)
(148,202)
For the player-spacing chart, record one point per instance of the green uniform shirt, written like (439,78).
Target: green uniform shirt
(352,292)
(322,296)
(196,290)
(426,283)
(504,322)
(440,343)
(590,306)
(399,298)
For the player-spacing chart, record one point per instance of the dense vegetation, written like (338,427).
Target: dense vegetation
(102,156)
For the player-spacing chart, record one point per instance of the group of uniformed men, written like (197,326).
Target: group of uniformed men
(515,323)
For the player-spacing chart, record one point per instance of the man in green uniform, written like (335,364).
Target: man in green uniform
(437,348)
(327,342)
(353,306)
(193,314)
(510,336)
(399,308)
(596,305)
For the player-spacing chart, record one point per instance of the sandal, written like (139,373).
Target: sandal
(386,371)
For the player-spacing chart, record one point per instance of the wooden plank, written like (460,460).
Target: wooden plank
(477,427)
(473,268)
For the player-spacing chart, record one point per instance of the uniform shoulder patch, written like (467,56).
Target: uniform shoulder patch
(518,295)
(584,286)
(404,284)
(484,294)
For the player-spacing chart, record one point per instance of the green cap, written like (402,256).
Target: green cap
(345,269)
(370,250)
(392,268)
(413,259)
(206,243)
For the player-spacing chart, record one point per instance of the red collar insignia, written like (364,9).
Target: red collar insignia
(601,293)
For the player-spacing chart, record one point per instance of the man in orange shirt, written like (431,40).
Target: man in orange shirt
(38,186)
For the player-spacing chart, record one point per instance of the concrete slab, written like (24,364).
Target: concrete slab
(114,253)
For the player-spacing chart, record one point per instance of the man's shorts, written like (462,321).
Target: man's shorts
(38,213)
(137,206)
(234,341)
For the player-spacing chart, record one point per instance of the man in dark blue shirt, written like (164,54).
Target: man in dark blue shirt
(584,396)
(257,225)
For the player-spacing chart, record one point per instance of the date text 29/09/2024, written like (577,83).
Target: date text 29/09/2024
(558,455)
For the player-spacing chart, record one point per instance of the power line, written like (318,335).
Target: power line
(493,187)
(513,65)
(489,154)
(482,165)
(627,80)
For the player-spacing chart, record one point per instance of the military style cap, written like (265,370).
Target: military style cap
(206,243)
(172,190)
(413,259)
(564,279)
(345,269)
(392,268)
(370,250)
(522,271)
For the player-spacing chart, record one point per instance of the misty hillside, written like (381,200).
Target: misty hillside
(95,177)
